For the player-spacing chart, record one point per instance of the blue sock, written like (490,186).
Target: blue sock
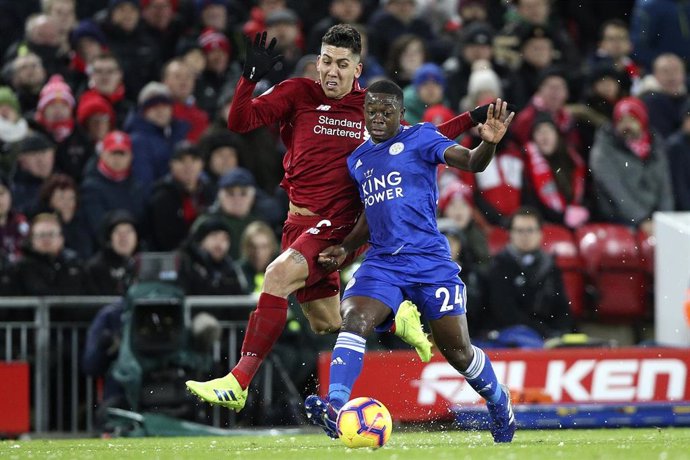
(346,365)
(480,375)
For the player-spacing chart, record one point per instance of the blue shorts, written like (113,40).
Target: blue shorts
(437,291)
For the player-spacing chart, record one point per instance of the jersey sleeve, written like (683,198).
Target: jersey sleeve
(248,113)
(432,144)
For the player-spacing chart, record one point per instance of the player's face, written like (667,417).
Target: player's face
(338,68)
(382,115)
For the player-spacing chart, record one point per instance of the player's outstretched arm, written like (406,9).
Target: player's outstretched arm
(333,257)
(246,111)
(492,131)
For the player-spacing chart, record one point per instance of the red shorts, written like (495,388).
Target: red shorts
(309,235)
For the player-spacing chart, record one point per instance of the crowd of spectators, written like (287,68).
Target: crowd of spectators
(113,124)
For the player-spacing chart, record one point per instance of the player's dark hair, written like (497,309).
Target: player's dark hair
(528,211)
(386,87)
(343,36)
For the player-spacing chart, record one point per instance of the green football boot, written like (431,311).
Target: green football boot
(409,328)
(224,391)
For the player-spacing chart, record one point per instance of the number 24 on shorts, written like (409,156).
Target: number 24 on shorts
(444,292)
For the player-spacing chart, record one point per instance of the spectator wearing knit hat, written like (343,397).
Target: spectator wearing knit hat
(35,157)
(426,90)
(95,116)
(178,199)
(13,126)
(483,86)
(219,73)
(137,53)
(630,169)
(222,151)
(55,114)
(155,132)
(114,267)
(179,77)
(109,185)
(105,80)
(206,266)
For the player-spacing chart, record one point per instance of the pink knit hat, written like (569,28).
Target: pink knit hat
(55,89)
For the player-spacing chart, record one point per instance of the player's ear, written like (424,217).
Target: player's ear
(358,70)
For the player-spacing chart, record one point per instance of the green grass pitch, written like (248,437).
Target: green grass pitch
(628,444)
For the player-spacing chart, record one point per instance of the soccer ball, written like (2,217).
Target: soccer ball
(364,422)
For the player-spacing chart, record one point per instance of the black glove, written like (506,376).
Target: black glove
(478,114)
(259,59)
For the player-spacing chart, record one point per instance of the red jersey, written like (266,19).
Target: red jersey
(319,133)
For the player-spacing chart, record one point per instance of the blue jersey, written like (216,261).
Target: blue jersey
(397,184)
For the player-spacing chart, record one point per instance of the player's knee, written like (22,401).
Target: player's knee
(458,357)
(278,278)
(357,322)
(323,326)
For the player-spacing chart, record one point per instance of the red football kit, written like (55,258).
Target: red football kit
(319,133)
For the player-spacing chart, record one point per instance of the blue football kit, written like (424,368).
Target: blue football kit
(409,258)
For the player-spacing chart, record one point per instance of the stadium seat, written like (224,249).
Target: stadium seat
(612,264)
(498,238)
(560,242)
(646,245)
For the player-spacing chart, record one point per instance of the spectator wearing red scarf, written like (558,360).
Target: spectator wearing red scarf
(629,168)
(555,175)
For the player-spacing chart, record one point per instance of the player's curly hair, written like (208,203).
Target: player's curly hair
(343,36)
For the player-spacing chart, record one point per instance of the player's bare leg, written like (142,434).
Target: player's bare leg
(453,341)
(323,314)
(287,273)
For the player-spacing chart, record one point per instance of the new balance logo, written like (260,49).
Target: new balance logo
(225,395)
(324,107)
(358,164)
(338,362)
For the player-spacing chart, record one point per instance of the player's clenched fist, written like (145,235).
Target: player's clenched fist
(260,59)
(332,258)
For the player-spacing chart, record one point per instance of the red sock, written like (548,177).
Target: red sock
(265,325)
(392,329)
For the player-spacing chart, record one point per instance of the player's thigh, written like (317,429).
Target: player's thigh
(372,289)
(323,314)
(450,333)
(287,273)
